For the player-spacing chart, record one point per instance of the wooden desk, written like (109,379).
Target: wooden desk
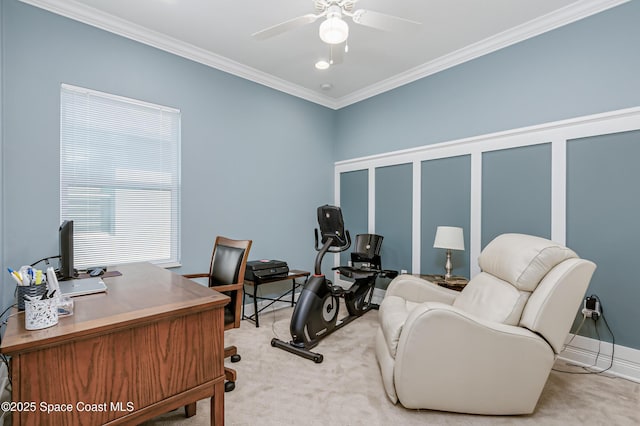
(293,275)
(152,343)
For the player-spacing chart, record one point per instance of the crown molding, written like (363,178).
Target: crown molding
(564,16)
(91,16)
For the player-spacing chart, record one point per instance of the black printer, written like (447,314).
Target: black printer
(266,269)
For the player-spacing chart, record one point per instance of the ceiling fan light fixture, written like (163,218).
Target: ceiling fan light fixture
(322,65)
(334,30)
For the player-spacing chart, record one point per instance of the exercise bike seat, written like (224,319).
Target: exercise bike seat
(357,273)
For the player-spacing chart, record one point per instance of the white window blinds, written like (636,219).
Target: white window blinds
(119,178)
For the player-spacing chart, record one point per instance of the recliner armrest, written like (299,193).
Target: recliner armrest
(469,363)
(418,290)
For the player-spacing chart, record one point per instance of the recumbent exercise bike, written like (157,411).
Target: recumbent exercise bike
(315,315)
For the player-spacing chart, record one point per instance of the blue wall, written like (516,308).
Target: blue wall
(354,207)
(255,162)
(393,215)
(445,201)
(247,150)
(584,68)
(521,202)
(602,224)
(588,67)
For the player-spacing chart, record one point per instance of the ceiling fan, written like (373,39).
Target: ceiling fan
(334,30)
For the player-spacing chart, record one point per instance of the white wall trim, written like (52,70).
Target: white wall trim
(583,352)
(555,133)
(91,16)
(416,206)
(371,218)
(475,215)
(559,190)
(572,128)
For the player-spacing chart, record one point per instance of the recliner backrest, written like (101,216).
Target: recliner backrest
(552,307)
(513,265)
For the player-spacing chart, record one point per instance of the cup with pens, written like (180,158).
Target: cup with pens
(31,283)
(36,294)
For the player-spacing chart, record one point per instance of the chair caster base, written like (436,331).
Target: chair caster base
(229,386)
(235,358)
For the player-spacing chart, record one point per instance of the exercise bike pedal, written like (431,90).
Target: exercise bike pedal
(337,291)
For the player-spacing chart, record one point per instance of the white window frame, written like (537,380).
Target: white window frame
(120,178)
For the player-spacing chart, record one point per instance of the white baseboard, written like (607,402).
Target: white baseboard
(583,351)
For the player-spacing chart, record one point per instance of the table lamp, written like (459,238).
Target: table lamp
(450,238)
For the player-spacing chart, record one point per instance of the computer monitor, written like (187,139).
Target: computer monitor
(66,270)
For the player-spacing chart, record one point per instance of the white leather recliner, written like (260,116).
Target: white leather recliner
(488,349)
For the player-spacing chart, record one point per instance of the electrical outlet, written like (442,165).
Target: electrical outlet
(591,307)
(403,271)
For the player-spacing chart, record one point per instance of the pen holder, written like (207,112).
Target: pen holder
(33,291)
(40,314)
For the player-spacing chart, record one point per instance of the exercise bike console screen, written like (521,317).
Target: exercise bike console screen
(331,225)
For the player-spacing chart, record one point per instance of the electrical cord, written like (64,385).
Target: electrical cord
(584,318)
(595,325)
(45,260)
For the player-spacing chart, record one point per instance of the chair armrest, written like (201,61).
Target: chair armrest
(418,290)
(470,364)
(228,287)
(200,275)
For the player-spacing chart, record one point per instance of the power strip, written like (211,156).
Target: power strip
(591,308)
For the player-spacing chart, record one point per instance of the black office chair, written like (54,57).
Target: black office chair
(226,275)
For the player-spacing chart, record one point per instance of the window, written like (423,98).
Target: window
(119,178)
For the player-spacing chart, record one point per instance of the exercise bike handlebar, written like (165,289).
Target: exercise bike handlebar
(336,243)
(331,246)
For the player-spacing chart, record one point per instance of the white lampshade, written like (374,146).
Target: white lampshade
(449,237)
(334,31)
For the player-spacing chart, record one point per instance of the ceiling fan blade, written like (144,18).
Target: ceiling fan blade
(291,24)
(382,21)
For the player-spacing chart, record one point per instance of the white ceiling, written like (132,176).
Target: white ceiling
(218,33)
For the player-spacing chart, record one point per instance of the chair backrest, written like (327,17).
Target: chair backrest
(367,250)
(228,261)
(530,282)
(228,264)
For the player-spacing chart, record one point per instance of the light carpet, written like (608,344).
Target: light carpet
(275,387)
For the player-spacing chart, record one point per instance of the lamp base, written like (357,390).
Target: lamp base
(448,266)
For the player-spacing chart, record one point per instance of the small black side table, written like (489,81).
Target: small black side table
(293,275)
